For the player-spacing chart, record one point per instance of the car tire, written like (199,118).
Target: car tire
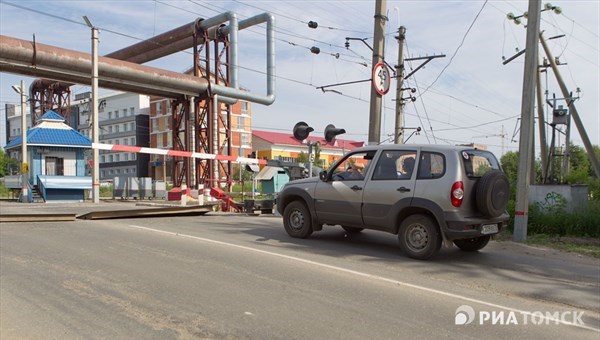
(352,230)
(492,193)
(472,244)
(297,220)
(419,237)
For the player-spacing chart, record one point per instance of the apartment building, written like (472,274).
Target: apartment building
(123,120)
(161,135)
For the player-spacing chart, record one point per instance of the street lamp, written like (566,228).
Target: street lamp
(95,129)
(24,165)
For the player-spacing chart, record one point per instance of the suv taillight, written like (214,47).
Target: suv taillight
(457,193)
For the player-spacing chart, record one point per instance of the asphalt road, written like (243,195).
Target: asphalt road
(233,276)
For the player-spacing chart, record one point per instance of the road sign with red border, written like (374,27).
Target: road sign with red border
(381,78)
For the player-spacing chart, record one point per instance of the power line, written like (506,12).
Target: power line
(457,49)
(246,68)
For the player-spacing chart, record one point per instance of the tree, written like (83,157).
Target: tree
(302,157)
(580,167)
(510,165)
(6,164)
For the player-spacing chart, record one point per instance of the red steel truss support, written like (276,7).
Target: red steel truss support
(50,95)
(181,131)
(203,107)
(224,123)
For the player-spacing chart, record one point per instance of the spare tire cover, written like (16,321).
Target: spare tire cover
(492,193)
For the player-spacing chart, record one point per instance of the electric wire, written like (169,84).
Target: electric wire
(262,72)
(458,48)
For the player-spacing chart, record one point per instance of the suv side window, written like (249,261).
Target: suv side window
(394,165)
(431,165)
(353,168)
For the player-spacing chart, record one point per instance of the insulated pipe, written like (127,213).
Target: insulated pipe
(261,99)
(80,79)
(24,57)
(158,41)
(39,60)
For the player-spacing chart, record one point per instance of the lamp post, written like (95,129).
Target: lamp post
(95,130)
(24,164)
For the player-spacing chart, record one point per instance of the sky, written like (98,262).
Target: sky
(468,96)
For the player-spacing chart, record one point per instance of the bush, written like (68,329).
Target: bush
(557,221)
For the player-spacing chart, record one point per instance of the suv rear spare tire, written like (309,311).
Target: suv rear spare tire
(492,193)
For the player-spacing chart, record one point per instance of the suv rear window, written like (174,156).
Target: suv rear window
(431,165)
(478,162)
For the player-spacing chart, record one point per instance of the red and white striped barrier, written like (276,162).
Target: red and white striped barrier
(176,153)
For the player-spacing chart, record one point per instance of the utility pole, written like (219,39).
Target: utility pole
(542,127)
(526,134)
(95,123)
(24,163)
(572,109)
(399,127)
(375,107)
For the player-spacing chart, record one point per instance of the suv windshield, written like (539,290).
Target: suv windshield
(478,162)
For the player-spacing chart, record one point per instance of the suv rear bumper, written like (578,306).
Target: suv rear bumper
(459,228)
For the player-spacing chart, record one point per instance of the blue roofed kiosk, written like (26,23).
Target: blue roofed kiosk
(56,154)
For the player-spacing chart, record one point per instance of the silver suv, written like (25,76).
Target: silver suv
(425,194)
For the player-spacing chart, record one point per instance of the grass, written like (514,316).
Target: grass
(588,246)
(579,245)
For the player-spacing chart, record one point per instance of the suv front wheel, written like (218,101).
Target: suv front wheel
(297,220)
(419,237)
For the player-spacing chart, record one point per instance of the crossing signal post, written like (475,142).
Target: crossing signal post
(331,131)
(302,131)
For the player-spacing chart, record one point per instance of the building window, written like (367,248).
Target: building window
(124,126)
(116,114)
(159,140)
(154,124)
(133,156)
(117,128)
(110,159)
(240,122)
(132,111)
(109,114)
(110,129)
(102,174)
(245,108)
(117,157)
(159,109)
(102,159)
(132,126)
(245,138)
(132,139)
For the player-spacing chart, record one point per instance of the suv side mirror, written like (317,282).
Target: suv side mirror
(323,175)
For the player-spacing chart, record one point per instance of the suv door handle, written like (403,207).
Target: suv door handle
(355,187)
(403,189)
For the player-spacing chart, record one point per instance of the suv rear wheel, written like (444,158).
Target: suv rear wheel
(472,244)
(419,237)
(297,220)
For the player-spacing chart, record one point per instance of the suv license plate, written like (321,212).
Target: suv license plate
(489,229)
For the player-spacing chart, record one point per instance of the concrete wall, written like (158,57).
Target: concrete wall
(548,196)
